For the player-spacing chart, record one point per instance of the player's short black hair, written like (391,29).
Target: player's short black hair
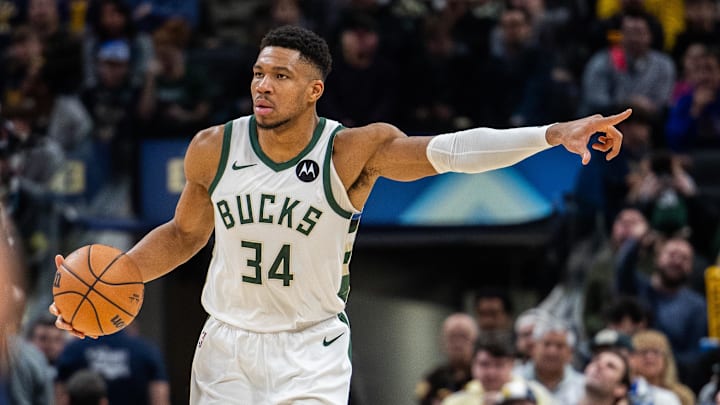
(311,46)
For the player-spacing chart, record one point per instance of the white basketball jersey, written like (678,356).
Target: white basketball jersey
(284,234)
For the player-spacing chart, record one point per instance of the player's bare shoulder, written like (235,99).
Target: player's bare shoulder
(361,143)
(382,150)
(203,155)
(355,153)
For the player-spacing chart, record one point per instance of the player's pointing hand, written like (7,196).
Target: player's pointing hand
(575,135)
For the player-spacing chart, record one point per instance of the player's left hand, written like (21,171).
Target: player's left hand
(575,135)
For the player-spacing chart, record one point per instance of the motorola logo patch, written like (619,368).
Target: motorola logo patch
(307,170)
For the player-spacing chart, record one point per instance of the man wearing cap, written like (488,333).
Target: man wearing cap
(517,392)
(612,339)
(112,103)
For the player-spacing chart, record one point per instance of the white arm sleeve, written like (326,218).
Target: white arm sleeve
(481,149)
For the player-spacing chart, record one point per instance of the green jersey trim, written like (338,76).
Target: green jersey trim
(290,163)
(344,319)
(344,291)
(227,135)
(326,177)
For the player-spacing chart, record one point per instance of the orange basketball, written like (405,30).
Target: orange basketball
(98,290)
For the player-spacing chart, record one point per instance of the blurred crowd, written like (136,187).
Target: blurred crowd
(497,357)
(83,83)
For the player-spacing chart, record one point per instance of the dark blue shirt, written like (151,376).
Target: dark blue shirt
(129,364)
(685,132)
(681,315)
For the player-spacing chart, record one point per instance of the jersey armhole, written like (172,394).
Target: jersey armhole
(227,135)
(326,177)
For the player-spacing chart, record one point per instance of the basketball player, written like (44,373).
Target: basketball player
(283,191)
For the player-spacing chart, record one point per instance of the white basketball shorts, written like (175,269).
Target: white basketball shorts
(307,367)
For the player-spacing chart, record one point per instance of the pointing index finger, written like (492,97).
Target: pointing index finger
(614,119)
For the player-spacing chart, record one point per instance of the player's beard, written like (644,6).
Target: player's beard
(272,125)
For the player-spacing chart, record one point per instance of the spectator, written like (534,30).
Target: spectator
(493,312)
(438,91)
(459,335)
(691,71)
(553,348)
(677,311)
(701,27)
(549,22)
(653,360)
(443,84)
(694,121)
(601,188)
(627,316)
(21,61)
(22,365)
(640,391)
(132,368)
(492,370)
(598,271)
(607,379)
(174,101)
(229,23)
(111,20)
(112,103)
(359,69)
(86,387)
(61,49)
(276,13)
(50,340)
(629,73)
(520,72)
(56,147)
(524,325)
(605,30)
(663,190)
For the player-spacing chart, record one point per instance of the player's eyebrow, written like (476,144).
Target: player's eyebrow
(276,69)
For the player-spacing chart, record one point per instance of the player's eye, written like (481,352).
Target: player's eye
(258,75)
(281,76)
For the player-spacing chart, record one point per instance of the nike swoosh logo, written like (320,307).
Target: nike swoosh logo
(329,342)
(235,166)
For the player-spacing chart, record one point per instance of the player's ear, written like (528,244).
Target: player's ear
(317,87)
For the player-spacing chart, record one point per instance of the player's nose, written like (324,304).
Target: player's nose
(263,85)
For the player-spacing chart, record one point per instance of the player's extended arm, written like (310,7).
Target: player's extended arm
(481,149)
(173,243)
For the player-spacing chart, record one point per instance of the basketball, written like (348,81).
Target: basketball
(98,290)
